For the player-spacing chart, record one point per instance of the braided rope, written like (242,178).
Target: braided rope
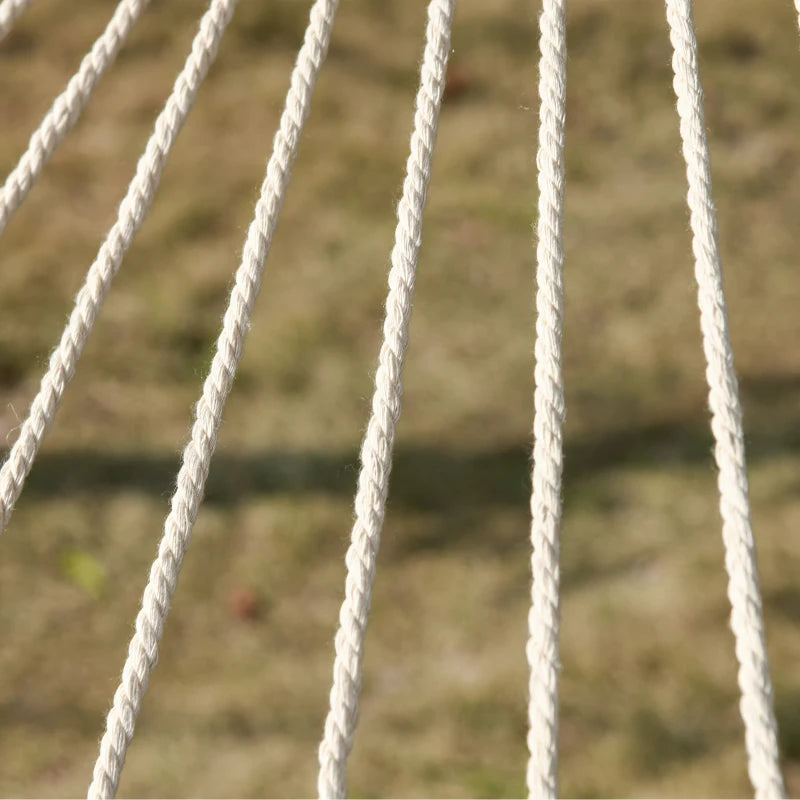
(542,646)
(67,107)
(376,449)
(143,648)
(90,298)
(726,418)
(9,11)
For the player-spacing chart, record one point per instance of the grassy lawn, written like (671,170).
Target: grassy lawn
(649,703)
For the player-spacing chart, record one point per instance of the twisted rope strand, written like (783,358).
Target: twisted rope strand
(726,418)
(90,298)
(67,107)
(143,648)
(376,449)
(543,618)
(9,11)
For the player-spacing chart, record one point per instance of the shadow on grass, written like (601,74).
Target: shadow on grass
(657,743)
(423,478)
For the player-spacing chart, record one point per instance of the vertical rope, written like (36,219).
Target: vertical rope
(89,301)
(726,418)
(542,647)
(143,648)
(376,449)
(67,107)
(9,11)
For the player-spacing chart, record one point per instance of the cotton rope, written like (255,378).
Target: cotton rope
(376,449)
(548,457)
(9,11)
(67,107)
(542,648)
(143,648)
(726,421)
(90,298)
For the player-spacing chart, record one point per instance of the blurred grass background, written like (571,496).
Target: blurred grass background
(237,702)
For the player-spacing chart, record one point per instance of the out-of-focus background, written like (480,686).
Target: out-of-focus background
(237,702)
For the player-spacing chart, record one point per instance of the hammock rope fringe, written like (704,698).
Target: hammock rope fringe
(747,624)
(67,107)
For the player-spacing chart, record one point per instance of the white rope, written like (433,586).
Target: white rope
(542,646)
(9,11)
(90,298)
(726,420)
(143,648)
(376,449)
(67,107)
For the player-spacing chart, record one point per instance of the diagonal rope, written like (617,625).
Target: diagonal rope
(89,301)
(542,646)
(67,107)
(9,11)
(143,648)
(376,449)
(726,418)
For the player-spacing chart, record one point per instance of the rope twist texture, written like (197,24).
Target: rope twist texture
(143,648)
(726,418)
(376,449)
(89,301)
(67,107)
(543,619)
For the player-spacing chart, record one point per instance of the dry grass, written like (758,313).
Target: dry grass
(649,701)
